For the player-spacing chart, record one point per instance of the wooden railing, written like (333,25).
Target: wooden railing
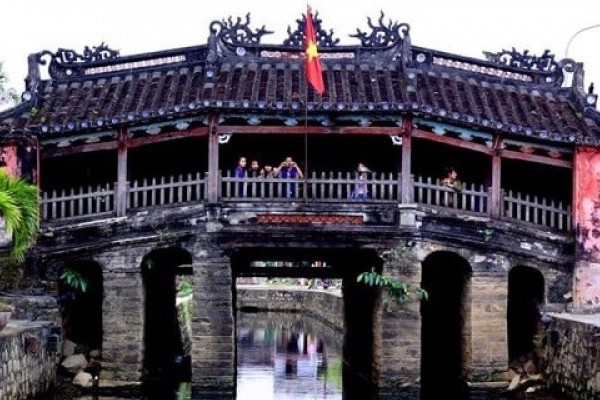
(536,210)
(472,197)
(322,187)
(86,201)
(333,187)
(189,188)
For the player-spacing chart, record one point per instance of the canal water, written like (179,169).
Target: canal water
(281,356)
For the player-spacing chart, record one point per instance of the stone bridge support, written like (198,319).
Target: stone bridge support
(484,347)
(398,348)
(213,323)
(486,321)
(122,315)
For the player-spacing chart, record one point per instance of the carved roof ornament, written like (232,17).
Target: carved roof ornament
(68,56)
(324,38)
(383,35)
(238,32)
(524,60)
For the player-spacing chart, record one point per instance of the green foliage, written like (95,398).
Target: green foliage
(82,349)
(333,374)
(400,291)
(164,234)
(6,306)
(149,263)
(74,279)
(184,288)
(19,204)
(487,234)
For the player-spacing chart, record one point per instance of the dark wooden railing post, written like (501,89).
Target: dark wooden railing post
(495,195)
(213,161)
(406,179)
(121,186)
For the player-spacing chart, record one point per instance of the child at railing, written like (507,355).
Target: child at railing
(361,191)
(451,181)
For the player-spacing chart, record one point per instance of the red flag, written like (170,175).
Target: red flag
(314,72)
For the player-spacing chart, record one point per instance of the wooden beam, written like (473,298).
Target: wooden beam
(131,143)
(213,160)
(516,155)
(450,141)
(121,189)
(145,140)
(496,197)
(311,130)
(82,148)
(406,177)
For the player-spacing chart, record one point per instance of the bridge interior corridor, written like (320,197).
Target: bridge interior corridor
(301,267)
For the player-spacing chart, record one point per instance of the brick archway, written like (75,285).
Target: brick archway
(526,289)
(446,325)
(163,359)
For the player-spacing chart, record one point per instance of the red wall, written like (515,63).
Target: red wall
(586,203)
(10,158)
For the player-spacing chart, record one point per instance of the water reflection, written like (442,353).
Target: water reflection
(283,356)
(287,356)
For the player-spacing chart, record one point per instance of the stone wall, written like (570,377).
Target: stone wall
(321,304)
(572,354)
(27,359)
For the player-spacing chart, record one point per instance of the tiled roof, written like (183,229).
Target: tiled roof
(100,90)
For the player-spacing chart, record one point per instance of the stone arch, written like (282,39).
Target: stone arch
(361,366)
(526,296)
(164,358)
(446,327)
(81,307)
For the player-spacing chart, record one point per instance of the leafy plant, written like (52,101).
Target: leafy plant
(149,263)
(19,205)
(400,256)
(74,279)
(185,288)
(163,233)
(398,290)
(487,234)
(6,306)
(82,349)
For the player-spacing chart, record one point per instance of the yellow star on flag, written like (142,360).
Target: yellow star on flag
(311,51)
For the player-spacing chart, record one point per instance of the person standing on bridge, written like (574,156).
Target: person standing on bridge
(288,169)
(361,191)
(451,181)
(240,172)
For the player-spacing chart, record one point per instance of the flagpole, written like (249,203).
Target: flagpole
(308,10)
(305,139)
(314,76)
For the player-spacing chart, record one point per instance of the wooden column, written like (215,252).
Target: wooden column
(213,161)
(406,179)
(496,195)
(121,187)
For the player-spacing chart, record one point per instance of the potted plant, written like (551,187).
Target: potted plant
(6,310)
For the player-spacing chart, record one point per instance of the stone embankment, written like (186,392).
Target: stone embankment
(327,305)
(29,352)
(572,352)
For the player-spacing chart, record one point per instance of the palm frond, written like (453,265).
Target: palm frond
(19,202)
